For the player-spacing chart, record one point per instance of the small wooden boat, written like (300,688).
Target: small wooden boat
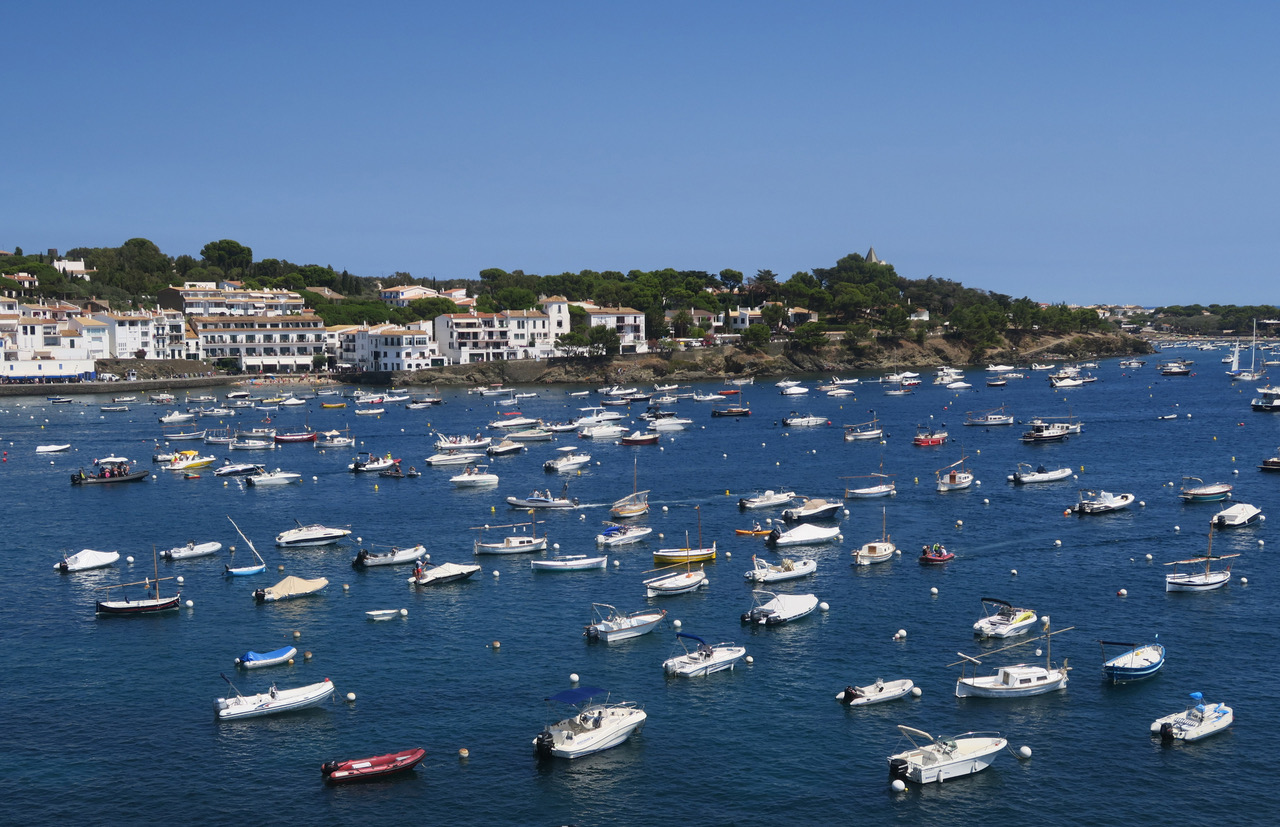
(685,555)
(875,693)
(641,438)
(272,702)
(1197,579)
(732,410)
(1196,490)
(258,660)
(365,769)
(1138,661)
(512,543)
(928,436)
(571,562)
(677,583)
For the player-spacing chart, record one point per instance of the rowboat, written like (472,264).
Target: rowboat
(364,769)
(677,583)
(1138,661)
(257,660)
(272,702)
(571,562)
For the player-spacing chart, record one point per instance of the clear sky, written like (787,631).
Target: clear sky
(1079,152)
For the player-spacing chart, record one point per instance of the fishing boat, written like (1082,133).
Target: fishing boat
(304,435)
(926,437)
(995,416)
(443,573)
(311,535)
(954,477)
(610,625)
(365,769)
(863,431)
(678,583)
(539,499)
(257,567)
(146,605)
(1042,431)
(474,476)
(593,727)
(1101,502)
(876,551)
(1198,720)
(763,571)
(813,508)
(687,553)
(1138,661)
(86,559)
(641,438)
(875,485)
(767,499)
(259,660)
(289,589)
(263,477)
(335,439)
(272,702)
(876,693)
(570,562)
(190,550)
(742,409)
(804,534)
(771,609)
(110,470)
(513,543)
(1195,578)
(396,556)
(619,534)
(939,759)
(1003,619)
(1018,681)
(1027,475)
(702,658)
(1196,490)
(635,504)
(1240,514)
(567,459)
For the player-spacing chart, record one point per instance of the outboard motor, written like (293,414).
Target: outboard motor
(849,695)
(898,767)
(1166,731)
(327,768)
(544,743)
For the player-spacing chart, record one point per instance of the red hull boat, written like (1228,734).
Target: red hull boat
(640,439)
(363,769)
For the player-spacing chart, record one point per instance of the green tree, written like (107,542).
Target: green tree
(809,336)
(731,279)
(772,315)
(227,255)
(604,341)
(432,307)
(895,320)
(680,323)
(755,337)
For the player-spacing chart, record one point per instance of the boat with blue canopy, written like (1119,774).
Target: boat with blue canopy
(591,728)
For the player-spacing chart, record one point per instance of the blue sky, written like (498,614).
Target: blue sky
(1082,152)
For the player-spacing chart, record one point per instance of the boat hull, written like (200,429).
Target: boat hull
(150,605)
(368,769)
(274,702)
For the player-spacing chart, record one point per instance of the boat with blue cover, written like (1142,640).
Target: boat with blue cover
(257,660)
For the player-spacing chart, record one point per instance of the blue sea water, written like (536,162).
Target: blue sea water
(109,720)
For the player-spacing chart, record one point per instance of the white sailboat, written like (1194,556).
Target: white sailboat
(254,568)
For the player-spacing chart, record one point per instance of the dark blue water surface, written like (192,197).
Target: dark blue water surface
(110,720)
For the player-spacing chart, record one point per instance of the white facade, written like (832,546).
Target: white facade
(401,296)
(270,344)
(44,350)
(627,322)
(391,348)
(128,333)
(489,337)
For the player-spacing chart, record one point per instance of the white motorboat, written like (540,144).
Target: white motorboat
(394,557)
(876,693)
(955,477)
(835,380)
(251,444)
(804,534)
(677,583)
(702,658)
(1101,502)
(618,534)
(174,417)
(669,423)
(1004,619)
(462,443)
(568,459)
(767,499)
(290,588)
(596,416)
(570,562)
(311,535)
(939,759)
(795,420)
(530,435)
(86,559)
(1240,514)
(796,390)
(606,431)
(188,461)
(385,614)
(52,449)
(505,448)
(771,609)
(876,551)
(276,477)
(813,508)
(591,728)
(539,499)
(1199,720)
(370,411)
(237,469)
(367,463)
(1042,431)
(443,573)
(474,476)
(191,549)
(1197,579)
(999,368)
(765,572)
(610,625)
(453,458)
(1026,475)
(273,701)
(512,543)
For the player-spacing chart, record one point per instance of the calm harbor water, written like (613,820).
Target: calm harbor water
(110,720)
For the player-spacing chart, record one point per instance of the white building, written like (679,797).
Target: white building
(389,347)
(262,344)
(490,337)
(627,322)
(41,349)
(73,269)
